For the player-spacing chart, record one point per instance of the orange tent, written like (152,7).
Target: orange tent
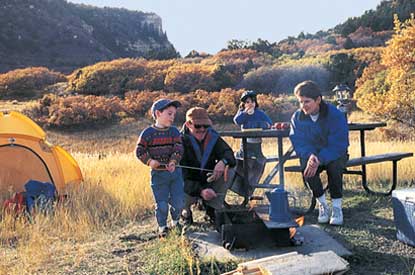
(25,154)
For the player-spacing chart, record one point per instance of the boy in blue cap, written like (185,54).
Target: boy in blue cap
(160,147)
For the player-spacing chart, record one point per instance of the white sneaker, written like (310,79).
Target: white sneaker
(323,213)
(337,216)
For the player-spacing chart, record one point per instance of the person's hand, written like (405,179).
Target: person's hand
(208,194)
(154,164)
(218,170)
(312,166)
(171,166)
(249,109)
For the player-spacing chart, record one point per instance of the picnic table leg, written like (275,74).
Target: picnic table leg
(394,176)
(246,168)
(281,163)
(362,154)
(388,189)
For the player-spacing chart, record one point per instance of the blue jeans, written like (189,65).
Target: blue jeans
(167,190)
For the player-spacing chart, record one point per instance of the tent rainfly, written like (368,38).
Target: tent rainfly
(25,154)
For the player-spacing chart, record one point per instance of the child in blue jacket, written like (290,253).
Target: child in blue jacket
(250,117)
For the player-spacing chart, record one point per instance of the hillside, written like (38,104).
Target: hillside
(62,36)
(380,19)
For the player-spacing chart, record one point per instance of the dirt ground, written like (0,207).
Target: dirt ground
(369,233)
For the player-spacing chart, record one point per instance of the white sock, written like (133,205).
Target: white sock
(322,199)
(162,228)
(337,203)
(174,223)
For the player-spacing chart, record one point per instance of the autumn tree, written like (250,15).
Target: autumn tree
(394,97)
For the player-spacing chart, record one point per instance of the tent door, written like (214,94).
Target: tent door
(18,164)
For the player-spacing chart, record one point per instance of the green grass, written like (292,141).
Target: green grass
(369,233)
(174,255)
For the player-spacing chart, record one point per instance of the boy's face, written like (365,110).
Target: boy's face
(166,117)
(308,105)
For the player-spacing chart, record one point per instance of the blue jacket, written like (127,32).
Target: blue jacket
(327,138)
(258,119)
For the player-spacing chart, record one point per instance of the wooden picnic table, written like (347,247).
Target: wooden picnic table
(284,155)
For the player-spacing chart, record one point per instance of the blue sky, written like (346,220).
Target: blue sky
(206,26)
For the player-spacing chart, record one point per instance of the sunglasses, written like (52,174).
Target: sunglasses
(197,126)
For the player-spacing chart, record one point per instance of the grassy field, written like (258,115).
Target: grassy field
(107,226)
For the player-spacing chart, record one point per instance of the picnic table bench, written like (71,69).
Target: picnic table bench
(364,160)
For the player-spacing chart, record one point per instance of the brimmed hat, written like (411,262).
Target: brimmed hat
(247,94)
(198,115)
(162,104)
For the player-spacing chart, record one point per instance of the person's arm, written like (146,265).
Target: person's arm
(337,140)
(141,151)
(178,150)
(224,152)
(299,138)
(240,117)
(265,118)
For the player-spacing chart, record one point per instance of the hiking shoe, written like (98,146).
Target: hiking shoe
(323,213)
(176,226)
(336,216)
(210,214)
(163,231)
(187,217)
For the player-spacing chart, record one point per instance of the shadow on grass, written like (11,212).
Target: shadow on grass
(369,233)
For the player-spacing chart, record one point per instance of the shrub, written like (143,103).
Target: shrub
(190,77)
(282,79)
(63,112)
(28,82)
(118,76)
(80,111)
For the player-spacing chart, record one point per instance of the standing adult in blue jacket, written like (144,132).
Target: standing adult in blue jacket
(320,137)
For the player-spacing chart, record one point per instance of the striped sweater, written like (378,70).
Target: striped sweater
(161,144)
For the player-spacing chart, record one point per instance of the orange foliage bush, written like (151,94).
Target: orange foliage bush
(64,112)
(27,82)
(189,77)
(231,55)
(119,76)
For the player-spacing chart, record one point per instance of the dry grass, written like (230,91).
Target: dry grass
(15,105)
(116,193)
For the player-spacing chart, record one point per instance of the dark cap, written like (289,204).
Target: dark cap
(162,104)
(247,94)
(198,115)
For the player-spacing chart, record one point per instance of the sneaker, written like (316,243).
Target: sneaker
(323,213)
(337,216)
(187,217)
(163,231)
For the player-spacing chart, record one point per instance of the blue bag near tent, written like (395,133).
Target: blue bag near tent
(39,194)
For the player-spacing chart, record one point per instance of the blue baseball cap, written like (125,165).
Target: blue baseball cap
(162,104)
